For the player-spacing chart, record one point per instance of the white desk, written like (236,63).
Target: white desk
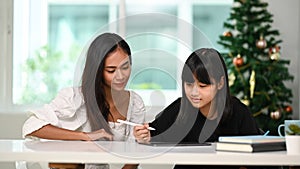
(121,152)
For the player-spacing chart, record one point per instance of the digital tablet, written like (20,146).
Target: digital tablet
(168,144)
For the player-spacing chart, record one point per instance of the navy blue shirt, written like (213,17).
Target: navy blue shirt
(240,122)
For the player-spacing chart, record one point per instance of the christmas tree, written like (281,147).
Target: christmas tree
(257,72)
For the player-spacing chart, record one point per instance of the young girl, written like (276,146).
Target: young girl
(206,109)
(90,112)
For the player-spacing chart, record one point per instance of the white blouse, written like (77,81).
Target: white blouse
(68,111)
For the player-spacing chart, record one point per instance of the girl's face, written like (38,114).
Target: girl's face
(201,95)
(117,70)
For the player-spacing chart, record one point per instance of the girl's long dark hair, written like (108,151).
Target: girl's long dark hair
(93,92)
(207,66)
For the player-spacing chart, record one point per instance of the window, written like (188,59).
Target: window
(49,35)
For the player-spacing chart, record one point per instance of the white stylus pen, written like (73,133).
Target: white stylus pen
(133,124)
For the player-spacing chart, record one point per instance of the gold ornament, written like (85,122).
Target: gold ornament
(246,101)
(261,43)
(231,79)
(275,115)
(275,56)
(252,83)
(274,52)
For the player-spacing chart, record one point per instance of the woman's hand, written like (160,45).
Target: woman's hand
(141,133)
(98,134)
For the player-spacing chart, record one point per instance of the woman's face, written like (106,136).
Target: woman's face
(117,70)
(200,95)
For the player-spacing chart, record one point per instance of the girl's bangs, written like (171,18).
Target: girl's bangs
(199,72)
(187,75)
(202,75)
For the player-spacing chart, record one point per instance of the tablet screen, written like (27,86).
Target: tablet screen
(167,144)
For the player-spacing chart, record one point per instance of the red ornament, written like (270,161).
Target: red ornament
(238,61)
(288,109)
(274,49)
(227,34)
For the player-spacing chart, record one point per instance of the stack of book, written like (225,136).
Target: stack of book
(252,143)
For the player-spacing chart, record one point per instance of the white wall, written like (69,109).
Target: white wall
(11,125)
(10,128)
(287,21)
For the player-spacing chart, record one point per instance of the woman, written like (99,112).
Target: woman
(90,112)
(206,109)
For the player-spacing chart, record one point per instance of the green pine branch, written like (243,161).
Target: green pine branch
(249,20)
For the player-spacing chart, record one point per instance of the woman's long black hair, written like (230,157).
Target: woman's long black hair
(96,104)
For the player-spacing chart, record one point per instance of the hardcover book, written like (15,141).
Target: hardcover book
(251,139)
(252,143)
(248,147)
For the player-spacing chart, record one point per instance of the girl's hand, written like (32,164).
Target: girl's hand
(130,166)
(98,134)
(141,133)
